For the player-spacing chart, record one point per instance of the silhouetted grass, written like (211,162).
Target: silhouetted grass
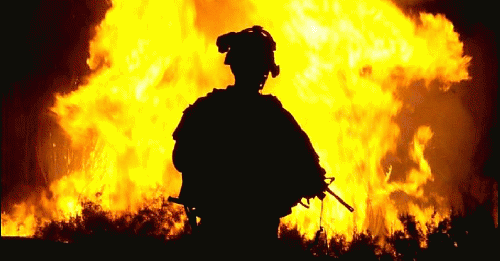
(96,225)
(471,236)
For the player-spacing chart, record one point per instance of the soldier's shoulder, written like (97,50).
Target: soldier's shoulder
(198,112)
(202,103)
(214,94)
(275,107)
(272,101)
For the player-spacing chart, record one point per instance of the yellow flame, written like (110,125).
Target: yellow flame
(20,222)
(343,64)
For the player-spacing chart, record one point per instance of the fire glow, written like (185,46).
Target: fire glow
(344,67)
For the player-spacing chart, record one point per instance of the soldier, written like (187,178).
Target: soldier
(245,161)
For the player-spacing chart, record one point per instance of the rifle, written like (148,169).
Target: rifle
(190,212)
(339,199)
(336,196)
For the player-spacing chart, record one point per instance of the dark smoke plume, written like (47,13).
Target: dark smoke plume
(47,49)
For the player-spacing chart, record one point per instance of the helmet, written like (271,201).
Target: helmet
(251,43)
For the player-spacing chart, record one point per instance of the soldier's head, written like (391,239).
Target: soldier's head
(250,53)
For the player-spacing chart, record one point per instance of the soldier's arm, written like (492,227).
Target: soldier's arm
(303,154)
(181,133)
(178,156)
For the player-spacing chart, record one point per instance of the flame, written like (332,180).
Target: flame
(344,66)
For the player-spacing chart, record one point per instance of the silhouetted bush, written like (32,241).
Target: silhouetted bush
(406,243)
(95,226)
(338,246)
(471,236)
(292,237)
(364,246)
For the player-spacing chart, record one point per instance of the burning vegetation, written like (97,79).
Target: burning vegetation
(377,90)
(454,237)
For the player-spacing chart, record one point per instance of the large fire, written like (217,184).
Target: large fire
(345,66)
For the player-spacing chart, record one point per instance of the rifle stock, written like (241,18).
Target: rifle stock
(190,212)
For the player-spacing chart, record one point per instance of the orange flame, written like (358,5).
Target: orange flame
(343,64)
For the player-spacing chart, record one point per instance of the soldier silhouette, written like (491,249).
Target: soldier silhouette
(245,161)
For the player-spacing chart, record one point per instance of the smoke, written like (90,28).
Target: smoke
(411,3)
(464,118)
(481,100)
(46,52)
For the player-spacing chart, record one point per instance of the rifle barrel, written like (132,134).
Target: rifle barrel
(339,199)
